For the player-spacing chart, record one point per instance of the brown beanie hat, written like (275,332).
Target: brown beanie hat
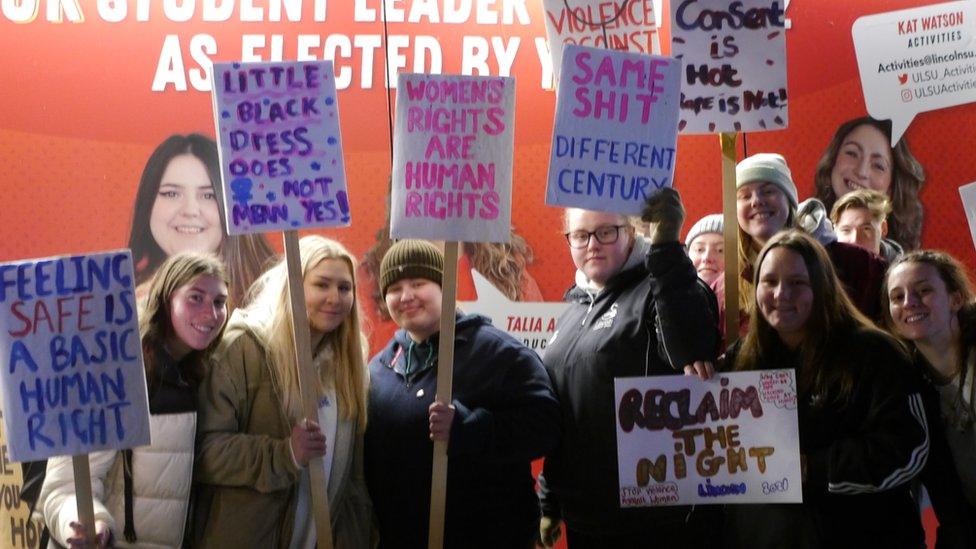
(411,259)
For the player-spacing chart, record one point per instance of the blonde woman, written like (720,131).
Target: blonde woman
(254,441)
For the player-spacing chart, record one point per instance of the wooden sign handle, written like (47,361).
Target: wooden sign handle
(307,385)
(445,380)
(731,224)
(83,496)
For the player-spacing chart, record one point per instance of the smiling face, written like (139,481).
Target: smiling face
(784,294)
(863,162)
(921,307)
(707,255)
(415,305)
(599,262)
(761,209)
(857,226)
(184,216)
(197,311)
(329,296)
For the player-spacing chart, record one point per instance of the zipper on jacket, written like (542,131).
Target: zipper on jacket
(589,308)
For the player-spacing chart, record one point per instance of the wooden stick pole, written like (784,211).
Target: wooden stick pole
(308,386)
(731,238)
(445,380)
(83,496)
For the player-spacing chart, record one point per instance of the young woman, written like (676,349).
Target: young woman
(255,441)
(766,203)
(178,208)
(705,244)
(863,434)
(929,303)
(860,156)
(637,309)
(502,416)
(180,324)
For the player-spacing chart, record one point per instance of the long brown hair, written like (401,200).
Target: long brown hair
(954,276)
(824,370)
(246,256)
(154,320)
(907,178)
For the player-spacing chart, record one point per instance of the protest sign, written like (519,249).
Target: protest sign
(916,60)
(73,380)
(280,146)
(734,55)
(16,528)
(625,25)
(532,323)
(684,441)
(452,158)
(615,135)
(968,195)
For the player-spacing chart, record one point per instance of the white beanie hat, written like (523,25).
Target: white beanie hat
(712,223)
(769,167)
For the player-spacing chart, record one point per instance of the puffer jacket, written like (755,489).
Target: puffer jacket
(161,476)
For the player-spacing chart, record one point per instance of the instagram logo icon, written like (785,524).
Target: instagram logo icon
(906,96)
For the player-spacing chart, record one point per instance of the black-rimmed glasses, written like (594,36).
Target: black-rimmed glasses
(607,234)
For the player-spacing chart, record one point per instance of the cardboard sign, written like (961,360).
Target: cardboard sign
(73,380)
(280,146)
(732,439)
(532,323)
(615,136)
(967,193)
(616,25)
(452,158)
(915,61)
(16,529)
(734,55)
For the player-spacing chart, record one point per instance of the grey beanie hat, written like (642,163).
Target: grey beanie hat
(770,167)
(712,223)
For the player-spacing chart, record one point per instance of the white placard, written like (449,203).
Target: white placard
(624,25)
(73,380)
(734,56)
(732,439)
(917,60)
(968,195)
(280,146)
(531,322)
(452,158)
(615,136)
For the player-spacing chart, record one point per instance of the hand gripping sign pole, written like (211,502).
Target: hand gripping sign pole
(307,386)
(261,196)
(445,380)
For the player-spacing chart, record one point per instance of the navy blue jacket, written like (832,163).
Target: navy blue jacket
(506,416)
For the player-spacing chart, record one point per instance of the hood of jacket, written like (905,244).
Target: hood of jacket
(585,289)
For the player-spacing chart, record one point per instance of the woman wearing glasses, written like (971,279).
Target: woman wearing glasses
(638,308)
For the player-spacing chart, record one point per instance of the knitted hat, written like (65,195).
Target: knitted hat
(711,223)
(770,167)
(411,259)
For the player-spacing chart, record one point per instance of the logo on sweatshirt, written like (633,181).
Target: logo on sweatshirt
(606,320)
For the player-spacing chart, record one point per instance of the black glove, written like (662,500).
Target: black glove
(665,214)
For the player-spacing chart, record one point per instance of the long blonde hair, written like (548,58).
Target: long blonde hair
(269,314)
